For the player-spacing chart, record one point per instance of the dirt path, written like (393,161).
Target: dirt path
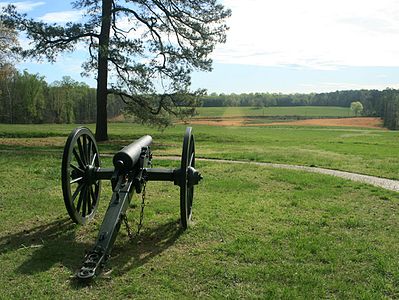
(388,184)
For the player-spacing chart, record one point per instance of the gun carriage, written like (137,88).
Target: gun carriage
(82,174)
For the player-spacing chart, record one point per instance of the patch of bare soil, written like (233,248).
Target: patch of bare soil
(35,142)
(219,121)
(366,122)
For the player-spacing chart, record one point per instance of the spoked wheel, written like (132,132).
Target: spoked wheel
(186,185)
(80,188)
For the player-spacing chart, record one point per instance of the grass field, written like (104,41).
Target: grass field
(257,232)
(372,152)
(302,111)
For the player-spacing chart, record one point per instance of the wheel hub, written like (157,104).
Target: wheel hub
(193,176)
(89,175)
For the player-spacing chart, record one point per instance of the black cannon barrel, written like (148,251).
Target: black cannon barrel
(126,158)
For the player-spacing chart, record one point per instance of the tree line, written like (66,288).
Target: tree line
(384,104)
(176,39)
(28,98)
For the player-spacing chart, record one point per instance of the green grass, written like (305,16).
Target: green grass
(257,233)
(372,152)
(300,111)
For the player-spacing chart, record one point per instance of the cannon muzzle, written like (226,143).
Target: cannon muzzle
(128,157)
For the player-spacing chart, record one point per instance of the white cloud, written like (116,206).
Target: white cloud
(62,16)
(24,6)
(312,33)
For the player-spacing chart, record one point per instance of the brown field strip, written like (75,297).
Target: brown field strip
(365,122)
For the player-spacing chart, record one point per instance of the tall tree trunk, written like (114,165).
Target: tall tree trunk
(11,113)
(102,74)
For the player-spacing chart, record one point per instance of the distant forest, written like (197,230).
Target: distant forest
(28,98)
(384,104)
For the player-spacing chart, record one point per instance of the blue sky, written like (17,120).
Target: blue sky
(283,46)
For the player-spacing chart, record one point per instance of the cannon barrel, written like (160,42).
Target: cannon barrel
(127,158)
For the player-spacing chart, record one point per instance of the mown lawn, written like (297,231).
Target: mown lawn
(256,233)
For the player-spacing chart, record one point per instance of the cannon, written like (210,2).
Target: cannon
(82,173)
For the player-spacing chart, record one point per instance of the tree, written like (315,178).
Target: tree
(63,96)
(391,108)
(7,75)
(8,41)
(357,107)
(29,101)
(148,47)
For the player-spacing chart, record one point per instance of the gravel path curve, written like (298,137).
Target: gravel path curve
(388,184)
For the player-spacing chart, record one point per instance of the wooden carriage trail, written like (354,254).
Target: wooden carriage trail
(388,184)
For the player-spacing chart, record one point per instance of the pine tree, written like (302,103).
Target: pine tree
(150,47)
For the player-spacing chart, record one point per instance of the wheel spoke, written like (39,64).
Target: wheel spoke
(84,202)
(94,159)
(81,151)
(76,180)
(78,159)
(79,204)
(93,196)
(191,195)
(97,190)
(89,150)
(76,168)
(191,159)
(75,194)
(88,198)
(85,149)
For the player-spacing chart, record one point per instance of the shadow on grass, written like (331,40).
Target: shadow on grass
(52,243)
(131,254)
(55,244)
(150,243)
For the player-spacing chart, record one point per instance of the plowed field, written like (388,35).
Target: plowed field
(365,122)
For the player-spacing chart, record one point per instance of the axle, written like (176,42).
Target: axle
(154,174)
(151,174)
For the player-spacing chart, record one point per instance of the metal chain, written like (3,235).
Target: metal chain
(140,224)
(142,209)
(129,231)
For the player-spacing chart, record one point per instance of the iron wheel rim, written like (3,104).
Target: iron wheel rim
(186,190)
(80,190)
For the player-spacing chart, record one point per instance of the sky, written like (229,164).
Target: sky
(286,46)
